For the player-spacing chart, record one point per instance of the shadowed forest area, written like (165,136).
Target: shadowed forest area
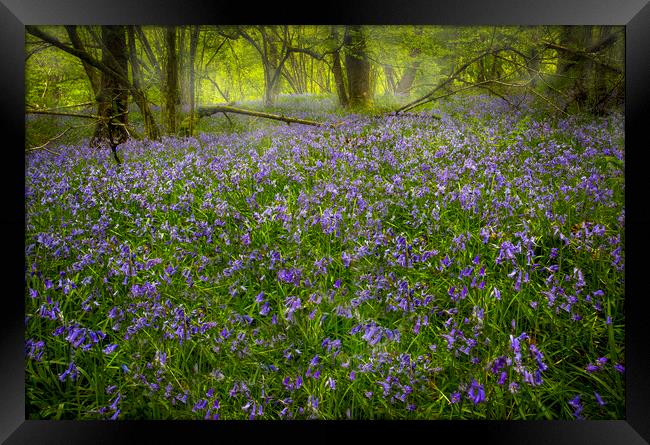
(324,222)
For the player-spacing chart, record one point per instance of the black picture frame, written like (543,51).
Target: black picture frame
(634,14)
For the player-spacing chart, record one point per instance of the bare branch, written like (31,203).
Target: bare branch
(452,76)
(583,55)
(43,146)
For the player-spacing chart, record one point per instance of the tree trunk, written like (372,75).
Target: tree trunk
(194,39)
(337,71)
(93,75)
(150,127)
(112,101)
(389,74)
(584,62)
(357,66)
(608,87)
(171,80)
(533,66)
(408,77)
(271,69)
(183,69)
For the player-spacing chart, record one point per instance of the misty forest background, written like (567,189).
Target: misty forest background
(149,81)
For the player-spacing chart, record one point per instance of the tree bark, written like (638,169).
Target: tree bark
(171,80)
(112,101)
(408,77)
(272,67)
(389,74)
(148,51)
(194,39)
(587,73)
(93,75)
(183,68)
(357,66)
(150,127)
(337,71)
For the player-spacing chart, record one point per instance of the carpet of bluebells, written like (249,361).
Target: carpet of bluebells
(391,267)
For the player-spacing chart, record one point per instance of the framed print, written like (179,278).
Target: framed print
(368,218)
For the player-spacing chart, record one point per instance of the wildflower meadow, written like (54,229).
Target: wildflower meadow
(463,261)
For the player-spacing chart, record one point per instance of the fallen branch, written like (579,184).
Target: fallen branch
(85,104)
(42,147)
(210,110)
(58,113)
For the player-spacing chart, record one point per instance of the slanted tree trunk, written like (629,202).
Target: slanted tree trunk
(194,39)
(408,76)
(357,66)
(150,127)
(112,101)
(93,75)
(389,74)
(406,81)
(337,71)
(171,80)
(183,68)
(608,87)
(271,68)
(533,66)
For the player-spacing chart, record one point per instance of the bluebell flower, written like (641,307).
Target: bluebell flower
(200,405)
(577,407)
(476,393)
(71,372)
(115,402)
(110,348)
(592,368)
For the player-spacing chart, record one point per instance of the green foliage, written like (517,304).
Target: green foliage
(229,67)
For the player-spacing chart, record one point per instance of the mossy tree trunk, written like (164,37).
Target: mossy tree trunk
(357,67)
(150,127)
(112,100)
(337,71)
(172,97)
